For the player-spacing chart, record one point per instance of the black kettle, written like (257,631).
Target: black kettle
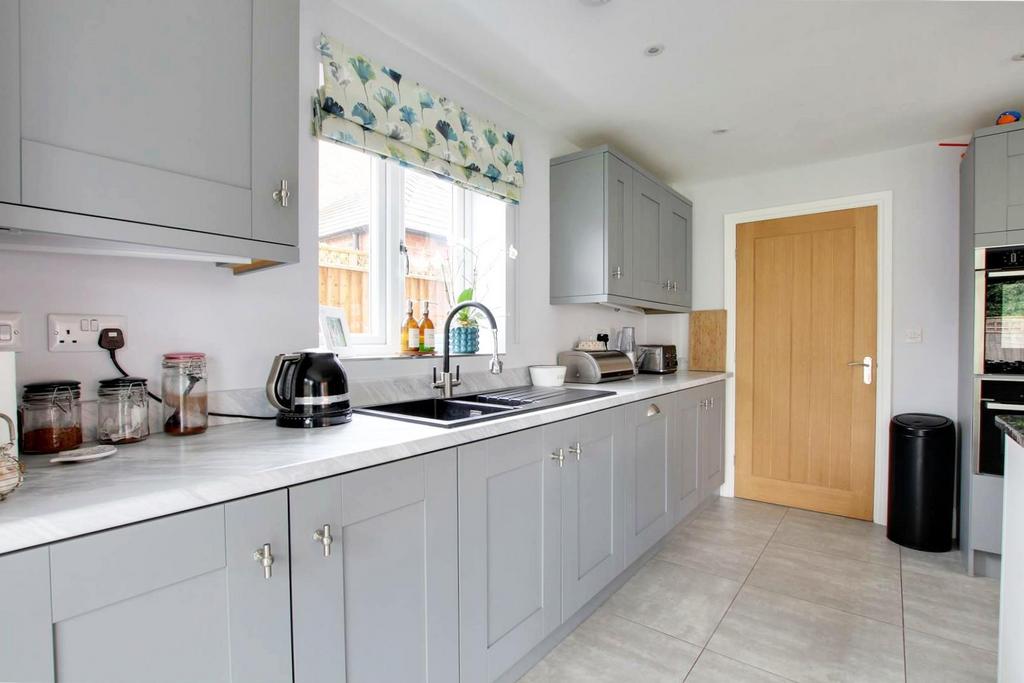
(309,389)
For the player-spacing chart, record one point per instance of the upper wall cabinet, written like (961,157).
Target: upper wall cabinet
(994,174)
(618,236)
(172,125)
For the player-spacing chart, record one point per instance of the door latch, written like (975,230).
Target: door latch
(867,364)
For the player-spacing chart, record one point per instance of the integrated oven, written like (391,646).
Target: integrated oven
(996,397)
(999,311)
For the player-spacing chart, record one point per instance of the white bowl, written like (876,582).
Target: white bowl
(547,375)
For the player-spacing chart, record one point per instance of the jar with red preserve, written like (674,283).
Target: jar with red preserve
(51,416)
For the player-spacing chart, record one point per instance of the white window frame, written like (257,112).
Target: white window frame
(387,263)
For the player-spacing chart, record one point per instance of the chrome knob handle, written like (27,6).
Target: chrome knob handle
(265,558)
(667,285)
(323,536)
(576,450)
(653,410)
(558,455)
(704,404)
(281,195)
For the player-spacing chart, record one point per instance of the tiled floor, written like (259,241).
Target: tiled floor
(751,592)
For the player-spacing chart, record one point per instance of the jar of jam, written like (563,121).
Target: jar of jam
(51,416)
(184,393)
(122,410)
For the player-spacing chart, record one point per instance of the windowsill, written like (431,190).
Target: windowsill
(397,356)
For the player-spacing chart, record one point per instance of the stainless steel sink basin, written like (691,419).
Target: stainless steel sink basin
(463,410)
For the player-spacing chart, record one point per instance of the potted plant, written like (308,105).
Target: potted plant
(465,333)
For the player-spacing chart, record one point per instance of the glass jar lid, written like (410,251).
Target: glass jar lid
(123,383)
(52,390)
(183,357)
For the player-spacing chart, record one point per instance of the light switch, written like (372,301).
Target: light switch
(94,325)
(83,325)
(6,332)
(913,335)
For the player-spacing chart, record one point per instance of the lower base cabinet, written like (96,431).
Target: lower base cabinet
(711,438)
(684,454)
(509,551)
(375,574)
(180,598)
(646,476)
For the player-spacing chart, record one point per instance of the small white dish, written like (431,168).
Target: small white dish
(547,375)
(85,454)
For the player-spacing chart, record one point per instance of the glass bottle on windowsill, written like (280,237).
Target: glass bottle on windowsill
(426,331)
(410,334)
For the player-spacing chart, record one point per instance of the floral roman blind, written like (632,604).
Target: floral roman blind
(366,104)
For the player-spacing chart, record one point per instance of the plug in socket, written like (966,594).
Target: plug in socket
(78,332)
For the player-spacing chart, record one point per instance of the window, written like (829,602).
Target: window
(390,234)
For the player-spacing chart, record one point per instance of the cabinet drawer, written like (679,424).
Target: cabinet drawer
(98,570)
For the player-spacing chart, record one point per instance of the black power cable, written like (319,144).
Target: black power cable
(112,339)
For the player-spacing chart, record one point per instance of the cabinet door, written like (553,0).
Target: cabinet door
(275,119)
(26,639)
(140,111)
(509,551)
(10,104)
(712,442)
(619,225)
(990,184)
(675,253)
(650,281)
(380,602)
(128,604)
(685,461)
(592,550)
(647,508)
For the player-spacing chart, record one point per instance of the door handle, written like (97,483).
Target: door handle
(577,450)
(653,410)
(323,536)
(558,455)
(867,364)
(265,558)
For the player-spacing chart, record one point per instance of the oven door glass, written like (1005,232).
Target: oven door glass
(1004,322)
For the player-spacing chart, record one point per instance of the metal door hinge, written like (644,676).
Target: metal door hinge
(281,195)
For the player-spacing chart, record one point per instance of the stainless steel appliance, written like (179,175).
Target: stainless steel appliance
(309,389)
(999,311)
(593,367)
(657,359)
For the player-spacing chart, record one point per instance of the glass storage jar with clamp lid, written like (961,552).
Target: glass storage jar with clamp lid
(122,410)
(51,416)
(184,393)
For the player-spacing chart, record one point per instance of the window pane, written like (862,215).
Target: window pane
(429,211)
(486,228)
(349,233)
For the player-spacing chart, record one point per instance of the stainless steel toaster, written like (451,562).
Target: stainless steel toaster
(657,359)
(593,367)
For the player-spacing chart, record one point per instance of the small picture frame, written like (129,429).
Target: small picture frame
(334,332)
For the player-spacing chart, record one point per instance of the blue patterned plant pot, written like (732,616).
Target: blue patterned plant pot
(465,339)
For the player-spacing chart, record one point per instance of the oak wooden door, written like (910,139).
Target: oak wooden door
(806,317)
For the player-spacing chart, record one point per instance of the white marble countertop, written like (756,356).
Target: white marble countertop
(165,475)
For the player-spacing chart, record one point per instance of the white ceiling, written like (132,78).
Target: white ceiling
(795,82)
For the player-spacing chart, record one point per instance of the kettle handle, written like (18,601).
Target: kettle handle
(275,398)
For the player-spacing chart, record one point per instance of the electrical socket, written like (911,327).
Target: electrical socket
(76,332)
(10,331)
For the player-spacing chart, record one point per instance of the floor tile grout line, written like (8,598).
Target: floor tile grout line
(651,628)
(950,641)
(733,601)
(834,609)
(836,555)
(752,666)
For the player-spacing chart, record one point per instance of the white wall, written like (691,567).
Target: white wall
(923,179)
(241,322)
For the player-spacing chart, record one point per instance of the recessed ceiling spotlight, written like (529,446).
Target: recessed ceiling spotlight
(1019,57)
(654,50)
(719,131)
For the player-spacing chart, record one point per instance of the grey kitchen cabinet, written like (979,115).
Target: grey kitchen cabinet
(711,438)
(10,103)
(509,551)
(995,163)
(165,124)
(685,452)
(618,236)
(593,447)
(647,507)
(181,598)
(26,636)
(375,574)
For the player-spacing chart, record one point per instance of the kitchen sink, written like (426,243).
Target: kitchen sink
(469,409)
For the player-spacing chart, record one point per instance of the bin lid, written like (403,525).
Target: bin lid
(921,424)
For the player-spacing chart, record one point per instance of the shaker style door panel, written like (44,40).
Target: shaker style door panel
(990,184)
(178,598)
(712,439)
(647,505)
(275,119)
(509,551)
(592,544)
(10,103)
(676,259)
(685,456)
(379,602)
(578,217)
(26,637)
(140,111)
(649,280)
(619,222)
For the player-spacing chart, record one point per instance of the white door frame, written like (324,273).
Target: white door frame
(883,385)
